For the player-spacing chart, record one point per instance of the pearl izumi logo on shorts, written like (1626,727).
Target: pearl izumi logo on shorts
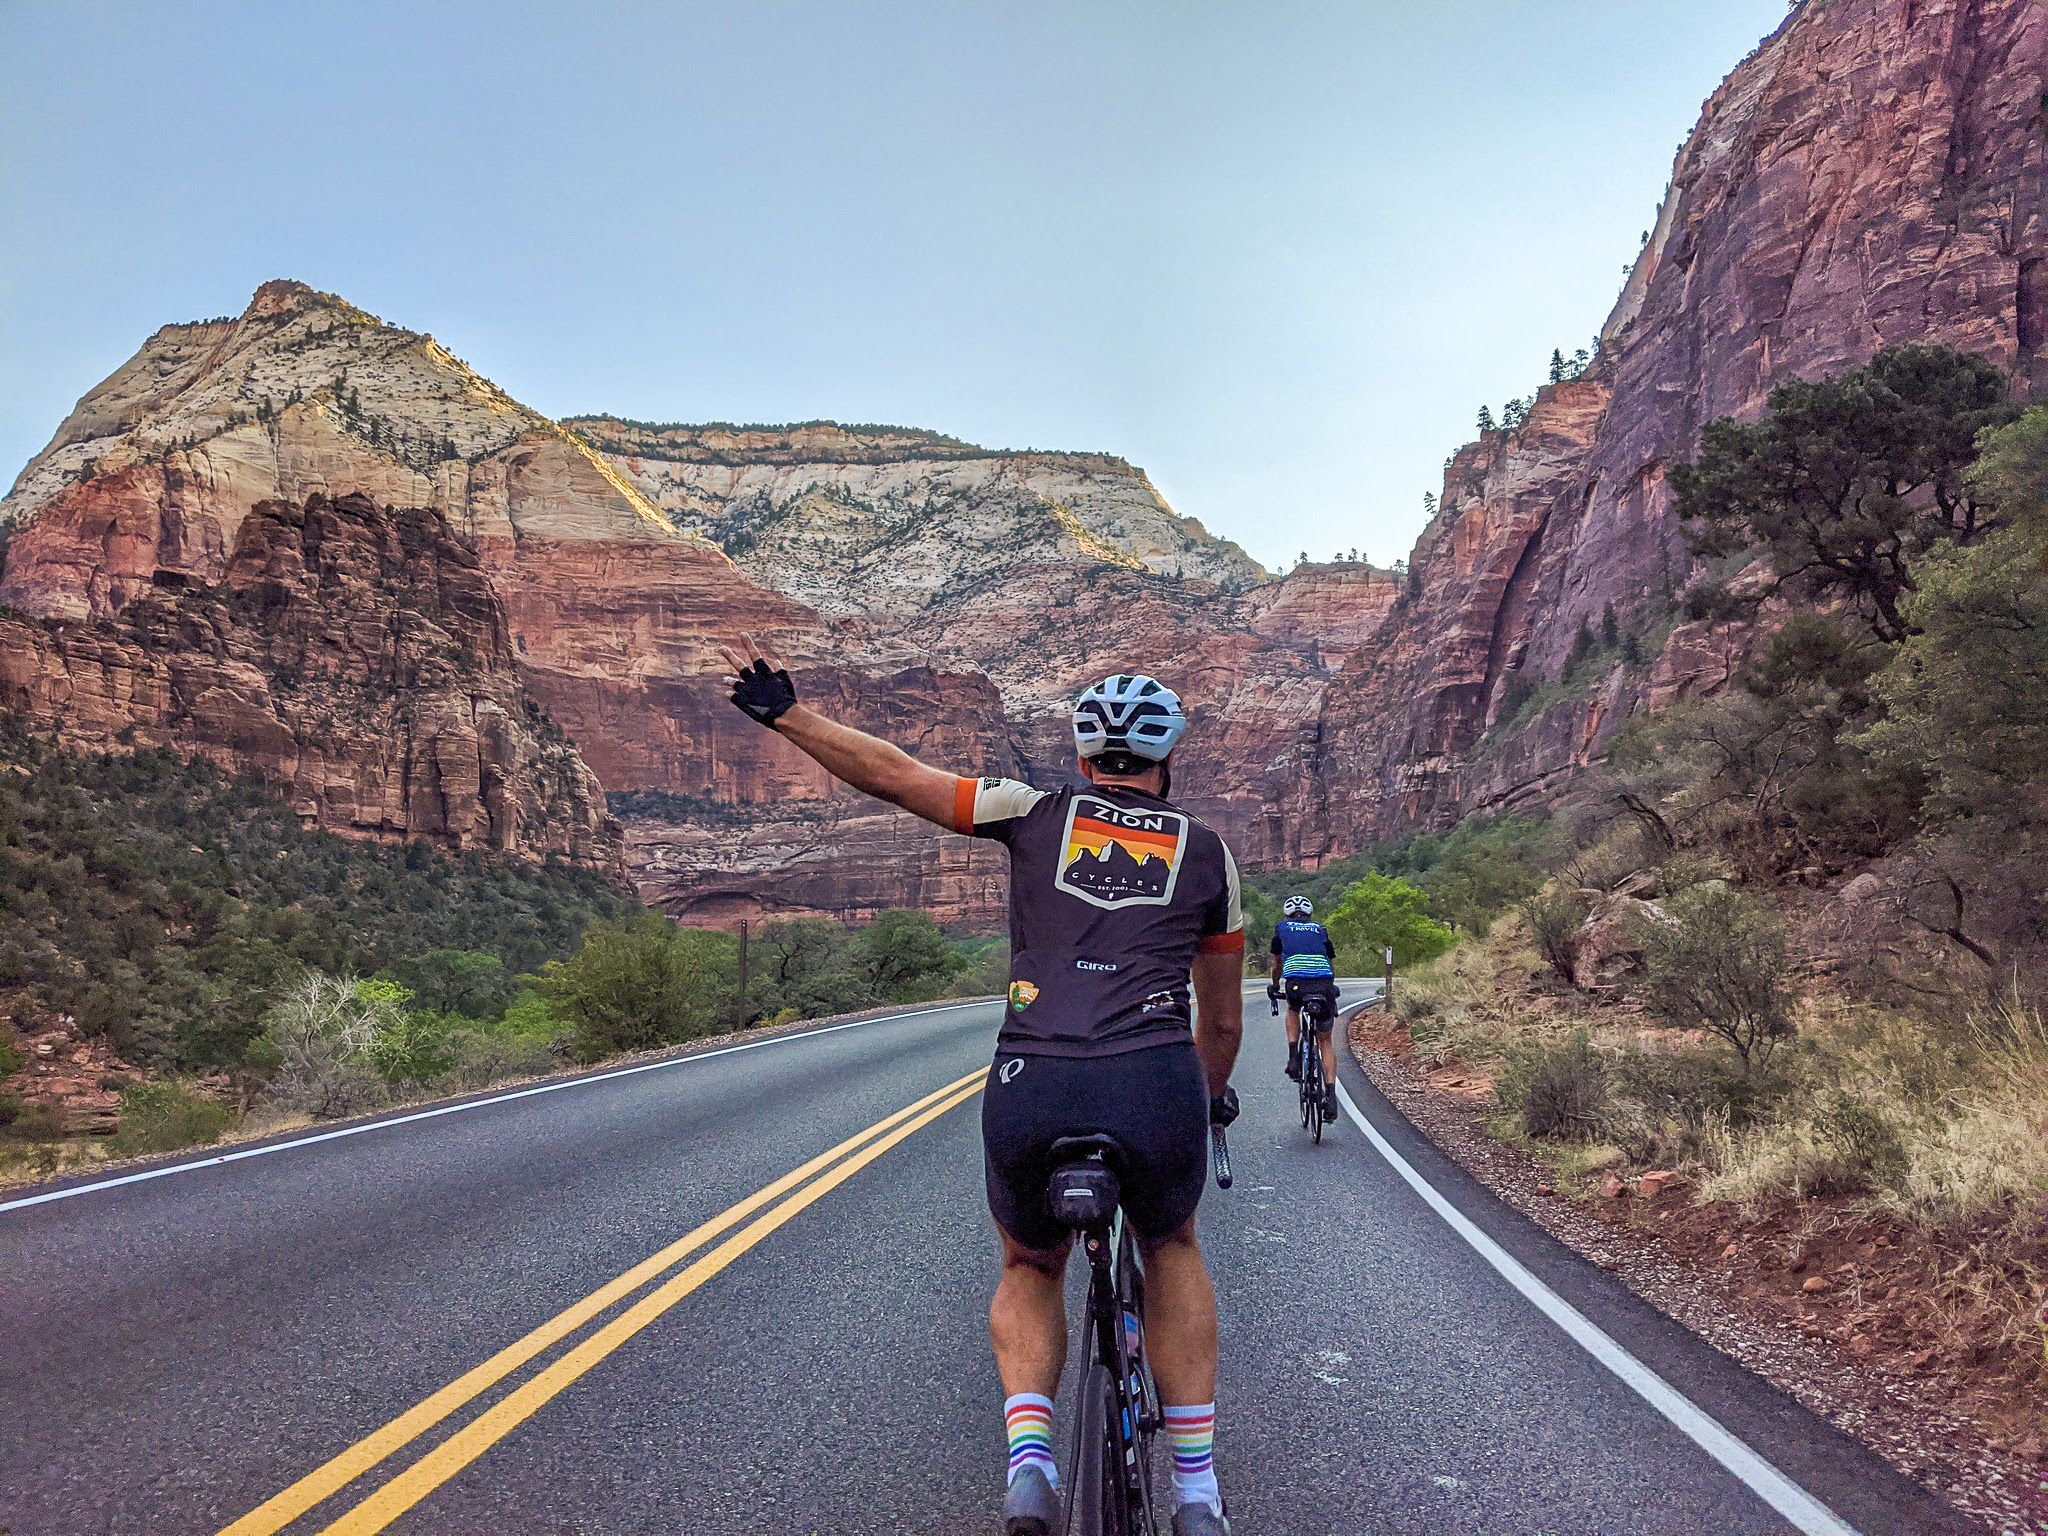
(1023,994)
(1009,1069)
(1117,856)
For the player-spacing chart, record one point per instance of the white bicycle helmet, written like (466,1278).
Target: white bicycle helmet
(1128,713)
(1297,906)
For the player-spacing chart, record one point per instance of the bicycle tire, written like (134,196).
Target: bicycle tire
(1092,1506)
(1147,1413)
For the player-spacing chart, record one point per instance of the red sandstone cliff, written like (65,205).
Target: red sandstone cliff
(355,657)
(947,596)
(1873,174)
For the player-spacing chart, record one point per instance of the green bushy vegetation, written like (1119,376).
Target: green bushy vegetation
(1807,911)
(1419,893)
(191,922)
(162,904)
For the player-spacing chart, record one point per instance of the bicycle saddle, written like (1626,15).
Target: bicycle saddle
(1084,1189)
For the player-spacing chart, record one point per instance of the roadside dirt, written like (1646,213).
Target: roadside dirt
(1844,1312)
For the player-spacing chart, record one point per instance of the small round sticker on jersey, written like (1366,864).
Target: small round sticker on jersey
(1023,994)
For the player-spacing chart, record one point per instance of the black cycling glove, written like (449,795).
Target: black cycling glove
(765,695)
(1223,1108)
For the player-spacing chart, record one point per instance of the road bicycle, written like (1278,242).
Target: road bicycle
(1119,1414)
(1308,1062)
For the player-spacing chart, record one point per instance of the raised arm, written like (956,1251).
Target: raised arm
(761,687)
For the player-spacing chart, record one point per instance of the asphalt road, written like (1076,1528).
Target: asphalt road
(368,1332)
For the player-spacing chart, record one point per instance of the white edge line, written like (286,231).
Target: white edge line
(456,1109)
(1799,1508)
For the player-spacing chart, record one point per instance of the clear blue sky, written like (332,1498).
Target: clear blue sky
(1275,253)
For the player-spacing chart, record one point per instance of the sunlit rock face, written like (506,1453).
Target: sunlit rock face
(949,597)
(355,657)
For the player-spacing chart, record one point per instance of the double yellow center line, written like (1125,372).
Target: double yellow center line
(826,1172)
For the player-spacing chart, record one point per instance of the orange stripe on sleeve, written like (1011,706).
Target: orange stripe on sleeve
(1223,943)
(963,805)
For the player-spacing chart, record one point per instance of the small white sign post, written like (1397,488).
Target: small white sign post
(1387,986)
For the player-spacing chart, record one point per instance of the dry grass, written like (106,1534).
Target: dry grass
(1943,1133)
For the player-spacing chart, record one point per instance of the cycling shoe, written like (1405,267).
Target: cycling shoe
(1031,1508)
(1329,1105)
(1199,1520)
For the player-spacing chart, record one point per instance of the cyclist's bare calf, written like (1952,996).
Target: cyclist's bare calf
(1027,1320)
(1180,1318)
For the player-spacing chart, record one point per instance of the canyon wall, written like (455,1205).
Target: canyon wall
(355,657)
(1873,174)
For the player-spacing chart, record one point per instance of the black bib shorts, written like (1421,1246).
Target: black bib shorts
(1153,1101)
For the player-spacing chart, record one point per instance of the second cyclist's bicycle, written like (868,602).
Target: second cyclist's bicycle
(1316,1010)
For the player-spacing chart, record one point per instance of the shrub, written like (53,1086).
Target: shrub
(1556,917)
(315,1039)
(1717,963)
(644,983)
(411,1046)
(165,1116)
(469,982)
(905,958)
(1559,1092)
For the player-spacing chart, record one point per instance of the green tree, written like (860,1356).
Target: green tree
(643,983)
(1610,628)
(1966,694)
(463,981)
(1485,419)
(807,965)
(1380,910)
(905,957)
(1845,482)
(1557,365)
(1583,646)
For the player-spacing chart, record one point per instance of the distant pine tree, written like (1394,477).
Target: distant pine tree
(1429,503)
(1610,628)
(1583,646)
(1485,419)
(1557,365)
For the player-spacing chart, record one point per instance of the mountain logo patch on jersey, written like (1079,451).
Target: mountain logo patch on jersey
(1121,856)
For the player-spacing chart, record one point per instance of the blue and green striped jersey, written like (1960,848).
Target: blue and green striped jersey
(1304,948)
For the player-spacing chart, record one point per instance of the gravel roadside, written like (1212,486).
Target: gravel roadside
(1899,1416)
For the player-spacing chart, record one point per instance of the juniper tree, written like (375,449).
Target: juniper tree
(1846,482)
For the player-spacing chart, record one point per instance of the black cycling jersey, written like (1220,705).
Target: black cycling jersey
(1113,892)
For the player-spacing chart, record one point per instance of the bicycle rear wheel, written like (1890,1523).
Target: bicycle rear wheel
(1093,1505)
(1141,1391)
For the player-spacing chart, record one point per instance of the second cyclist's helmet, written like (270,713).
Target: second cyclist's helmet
(1297,906)
(1129,714)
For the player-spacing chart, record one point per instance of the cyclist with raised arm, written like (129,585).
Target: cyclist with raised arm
(1303,961)
(1118,901)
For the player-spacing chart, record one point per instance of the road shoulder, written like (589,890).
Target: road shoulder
(1636,1274)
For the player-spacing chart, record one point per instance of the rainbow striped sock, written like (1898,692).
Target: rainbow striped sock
(1028,1418)
(1191,1431)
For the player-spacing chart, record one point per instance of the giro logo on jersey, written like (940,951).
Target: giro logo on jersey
(1023,994)
(1094,965)
(1116,856)
(1009,1069)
